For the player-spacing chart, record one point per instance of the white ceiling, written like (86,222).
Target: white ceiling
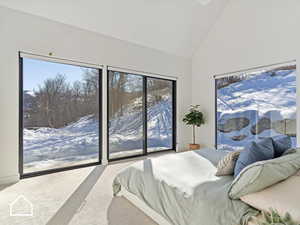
(172,26)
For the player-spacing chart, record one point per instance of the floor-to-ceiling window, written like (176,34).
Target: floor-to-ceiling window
(125,112)
(60,115)
(141,114)
(159,114)
(254,104)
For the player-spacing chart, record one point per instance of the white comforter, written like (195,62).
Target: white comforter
(183,188)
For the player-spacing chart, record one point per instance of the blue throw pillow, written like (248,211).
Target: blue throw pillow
(281,144)
(257,151)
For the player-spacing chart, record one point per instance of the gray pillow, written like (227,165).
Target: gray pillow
(257,151)
(263,174)
(281,144)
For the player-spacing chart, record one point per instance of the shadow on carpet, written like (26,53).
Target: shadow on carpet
(122,212)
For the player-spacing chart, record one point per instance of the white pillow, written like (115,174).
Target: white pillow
(283,197)
(226,165)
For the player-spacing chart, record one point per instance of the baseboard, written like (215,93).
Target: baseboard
(9,179)
(104,162)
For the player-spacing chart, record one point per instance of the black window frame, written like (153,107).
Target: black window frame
(21,114)
(216,114)
(145,127)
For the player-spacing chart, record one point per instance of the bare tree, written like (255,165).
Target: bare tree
(57,103)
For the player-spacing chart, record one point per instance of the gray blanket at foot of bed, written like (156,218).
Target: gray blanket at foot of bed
(183,189)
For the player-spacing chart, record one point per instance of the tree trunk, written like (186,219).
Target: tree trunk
(194,134)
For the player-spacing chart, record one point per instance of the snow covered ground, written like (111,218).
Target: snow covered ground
(48,148)
(269,95)
(78,143)
(126,132)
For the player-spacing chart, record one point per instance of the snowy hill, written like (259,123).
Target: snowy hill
(78,142)
(126,132)
(262,105)
(50,147)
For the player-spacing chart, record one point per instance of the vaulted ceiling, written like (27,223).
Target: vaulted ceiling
(173,26)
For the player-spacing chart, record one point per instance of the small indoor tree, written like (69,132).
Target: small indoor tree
(194,118)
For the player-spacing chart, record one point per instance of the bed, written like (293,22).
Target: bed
(182,189)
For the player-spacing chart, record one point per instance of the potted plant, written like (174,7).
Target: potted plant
(194,118)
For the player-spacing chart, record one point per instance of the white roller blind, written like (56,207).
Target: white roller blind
(59,60)
(124,70)
(256,70)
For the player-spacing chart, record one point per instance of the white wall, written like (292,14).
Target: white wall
(249,33)
(19,31)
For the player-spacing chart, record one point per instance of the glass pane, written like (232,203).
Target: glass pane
(251,106)
(60,115)
(125,114)
(159,114)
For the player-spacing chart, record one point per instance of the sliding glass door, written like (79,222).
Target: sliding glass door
(141,115)
(125,113)
(59,116)
(159,114)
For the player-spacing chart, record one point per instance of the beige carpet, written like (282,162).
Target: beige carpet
(77,197)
